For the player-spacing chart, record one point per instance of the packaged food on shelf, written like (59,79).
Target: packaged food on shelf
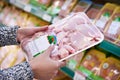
(110,69)
(11,58)
(67,7)
(73,62)
(22,19)
(12,17)
(69,38)
(118,40)
(60,76)
(104,15)
(2,4)
(55,8)
(112,30)
(25,2)
(93,11)
(44,4)
(4,13)
(20,56)
(33,21)
(3,53)
(92,60)
(79,76)
(82,6)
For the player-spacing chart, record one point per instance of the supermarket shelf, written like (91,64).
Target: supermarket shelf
(68,71)
(38,12)
(109,47)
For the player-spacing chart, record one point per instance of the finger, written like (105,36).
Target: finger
(41,29)
(61,64)
(49,51)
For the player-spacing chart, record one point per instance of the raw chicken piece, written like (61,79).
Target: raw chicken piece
(78,40)
(63,53)
(61,35)
(66,40)
(87,31)
(69,48)
(69,27)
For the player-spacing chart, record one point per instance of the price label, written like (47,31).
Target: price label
(47,17)
(79,76)
(27,8)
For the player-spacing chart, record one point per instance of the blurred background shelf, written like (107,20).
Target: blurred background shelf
(110,47)
(38,12)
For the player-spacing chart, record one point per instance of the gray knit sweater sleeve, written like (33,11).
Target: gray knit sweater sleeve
(8,35)
(19,72)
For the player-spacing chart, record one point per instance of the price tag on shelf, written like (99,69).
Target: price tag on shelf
(47,17)
(27,8)
(79,76)
(72,64)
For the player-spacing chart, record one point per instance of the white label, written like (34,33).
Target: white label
(102,21)
(78,76)
(114,27)
(47,17)
(38,45)
(27,8)
(42,43)
(31,48)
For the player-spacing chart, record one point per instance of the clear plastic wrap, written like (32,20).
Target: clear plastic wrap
(71,36)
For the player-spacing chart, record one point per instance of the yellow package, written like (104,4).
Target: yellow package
(110,69)
(34,21)
(22,19)
(3,53)
(10,59)
(92,60)
(20,56)
(104,15)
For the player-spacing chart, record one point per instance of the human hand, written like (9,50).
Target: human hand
(43,67)
(26,33)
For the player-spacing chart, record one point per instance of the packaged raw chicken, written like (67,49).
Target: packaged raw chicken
(3,53)
(104,15)
(20,56)
(67,7)
(41,3)
(11,57)
(110,69)
(93,60)
(112,30)
(22,19)
(55,8)
(93,11)
(70,36)
(4,13)
(82,6)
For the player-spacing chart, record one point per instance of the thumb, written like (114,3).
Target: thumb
(49,51)
(38,29)
(61,64)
